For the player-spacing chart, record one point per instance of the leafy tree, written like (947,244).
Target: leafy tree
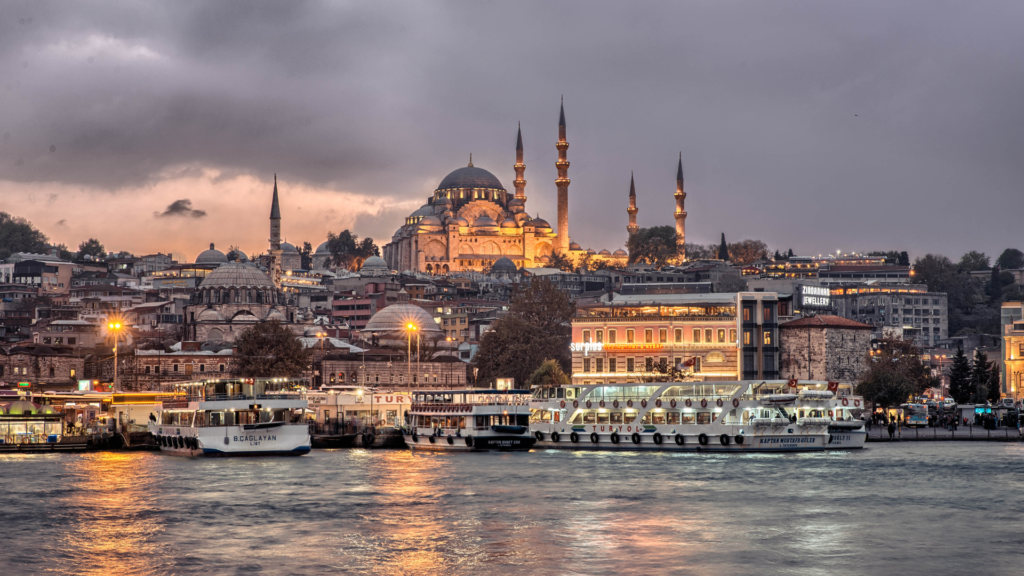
(731,283)
(269,349)
(1011,259)
(561,261)
(974,260)
(306,255)
(994,384)
(995,285)
(747,251)
(895,374)
(63,253)
(893,257)
(536,328)
(701,251)
(960,383)
(92,247)
(549,373)
(234,253)
(776,256)
(790,254)
(723,249)
(655,246)
(18,235)
(348,252)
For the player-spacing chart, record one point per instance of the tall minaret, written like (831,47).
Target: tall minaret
(680,211)
(563,185)
(275,239)
(520,168)
(632,228)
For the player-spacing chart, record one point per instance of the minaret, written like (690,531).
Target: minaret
(563,185)
(275,239)
(632,228)
(680,211)
(520,168)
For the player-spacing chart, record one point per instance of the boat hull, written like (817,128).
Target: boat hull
(848,439)
(283,440)
(503,443)
(781,442)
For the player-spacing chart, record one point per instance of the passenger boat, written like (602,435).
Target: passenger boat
(847,429)
(736,416)
(236,417)
(469,420)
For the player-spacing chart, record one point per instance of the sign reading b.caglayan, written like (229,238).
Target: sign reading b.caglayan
(815,298)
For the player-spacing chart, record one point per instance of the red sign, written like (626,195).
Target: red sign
(833,386)
(792,382)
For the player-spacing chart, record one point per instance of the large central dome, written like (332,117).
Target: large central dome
(470,177)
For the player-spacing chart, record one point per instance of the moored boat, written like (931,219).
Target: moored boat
(469,420)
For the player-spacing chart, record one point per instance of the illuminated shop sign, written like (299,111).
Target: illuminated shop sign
(815,297)
(586,347)
(634,346)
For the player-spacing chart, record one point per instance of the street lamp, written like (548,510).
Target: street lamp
(321,335)
(115,329)
(410,328)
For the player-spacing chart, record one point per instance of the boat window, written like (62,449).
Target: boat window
(560,392)
(558,415)
(589,417)
(577,418)
(672,418)
(687,418)
(616,417)
(545,416)
(646,418)
(481,421)
(602,418)
(629,416)
(658,417)
(703,417)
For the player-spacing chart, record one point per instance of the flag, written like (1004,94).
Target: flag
(792,382)
(833,386)
(690,362)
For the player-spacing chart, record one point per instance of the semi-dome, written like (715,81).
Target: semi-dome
(374,265)
(509,223)
(484,221)
(459,221)
(504,265)
(288,247)
(237,275)
(210,315)
(430,221)
(323,250)
(443,201)
(470,177)
(425,210)
(276,314)
(397,317)
(539,223)
(211,256)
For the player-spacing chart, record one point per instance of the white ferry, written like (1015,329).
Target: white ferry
(247,417)
(469,420)
(736,416)
(847,429)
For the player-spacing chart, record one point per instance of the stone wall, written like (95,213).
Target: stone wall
(46,372)
(836,354)
(394,374)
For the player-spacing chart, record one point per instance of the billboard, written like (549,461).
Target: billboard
(814,297)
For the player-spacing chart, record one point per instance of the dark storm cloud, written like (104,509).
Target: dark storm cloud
(810,125)
(180,208)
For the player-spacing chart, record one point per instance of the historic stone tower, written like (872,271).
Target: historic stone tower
(563,185)
(275,239)
(520,168)
(680,210)
(632,228)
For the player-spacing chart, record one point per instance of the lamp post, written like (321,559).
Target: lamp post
(322,336)
(449,363)
(410,328)
(115,329)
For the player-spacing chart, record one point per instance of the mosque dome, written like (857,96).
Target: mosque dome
(509,223)
(425,210)
(210,315)
(430,221)
(605,252)
(485,221)
(443,201)
(574,246)
(539,223)
(504,265)
(374,265)
(237,275)
(288,247)
(620,253)
(239,256)
(591,251)
(460,221)
(211,256)
(470,177)
(516,205)
(276,314)
(397,317)
(323,250)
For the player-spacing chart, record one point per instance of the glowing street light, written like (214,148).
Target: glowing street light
(409,329)
(115,329)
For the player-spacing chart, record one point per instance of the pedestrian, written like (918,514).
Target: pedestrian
(892,430)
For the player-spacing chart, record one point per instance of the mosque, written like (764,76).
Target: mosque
(471,221)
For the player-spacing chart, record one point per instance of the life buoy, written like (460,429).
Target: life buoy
(615,403)
(451,440)
(679,439)
(739,438)
(643,403)
(615,437)
(629,403)
(469,441)
(561,404)
(703,402)
(657,438)
(593,437)
(689,403)
(719,402)
(672,403)
(846,401)
(724,439)
(575,403)
(635,437)
(657,403)
(574,437)
(539,435)
(368,439)
(588,403)
(735,402)
(829,413)
(856,402)
(702,439)
(554,436)
(600,404)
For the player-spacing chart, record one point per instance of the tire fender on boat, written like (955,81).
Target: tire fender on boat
(451,441)
(689,403)
(615,437)
(643,403)
(615,403)
(657,403)
(593,437)
(672,402)
(657,438)
(554,436)
(588,403)
(431,439)
(724,439)
(469,441)
(539,435)
(679,439)
(702,439)
(415,437)
(574,437)
(635,437)
(739,438)
(575,403)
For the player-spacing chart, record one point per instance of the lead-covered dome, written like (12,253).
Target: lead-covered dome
(211,256)
(470,177)
(289,247)
(323,250)
(374,265)
(397,317)
(237,275)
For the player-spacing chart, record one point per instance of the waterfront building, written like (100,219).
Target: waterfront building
(1012,323)
(908,311)
(633,338)
(390,369)
(824,347)
(40,367)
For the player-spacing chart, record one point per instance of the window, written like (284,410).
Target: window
(221,367)
(679,335)
(746,314)
(600,364)
(631,366)
(708,335)
(612,333)
(586,364)
(586,335)
(53,372)
(732,335)
(663,335)
(629,336)
(696,335)
(147,370)
(663,364)
(767,337)
(174,368)
(648,336)
(696,364)
(599,335)
(202,367)
(156,368)
(72,341)
(721,335)
(747,338)
(767,313)
(611,365)
(73,371)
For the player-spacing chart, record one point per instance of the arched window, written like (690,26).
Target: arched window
(341,377)
(333,377)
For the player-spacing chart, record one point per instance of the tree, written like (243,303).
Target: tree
(536,328)
(348,252)
(895,374)
(893,257)
(974,260)
(960,386)
(655,246)
(723,249)
(561,261)
(92,247)
(731,283)
(701,251)
(270,349)
(994,384)
(981,376)
(1011,259)
(549,373)
(234,253)
(63,253)
(18,235)
(306,255)
(748,251)
(995,285)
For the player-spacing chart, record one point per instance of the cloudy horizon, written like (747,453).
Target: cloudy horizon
(816,127)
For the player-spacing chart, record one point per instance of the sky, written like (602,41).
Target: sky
(816,126)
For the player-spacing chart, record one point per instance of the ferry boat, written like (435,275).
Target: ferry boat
(847,429)
(469,420)
(734,416)
(232,417)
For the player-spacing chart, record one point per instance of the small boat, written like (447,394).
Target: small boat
(469,420)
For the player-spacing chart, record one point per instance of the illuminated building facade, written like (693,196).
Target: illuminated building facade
(1012,321)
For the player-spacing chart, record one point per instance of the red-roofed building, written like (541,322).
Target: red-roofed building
(824,347)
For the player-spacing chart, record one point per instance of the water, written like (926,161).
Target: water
(912,508)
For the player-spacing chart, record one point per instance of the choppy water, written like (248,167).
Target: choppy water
(924,508)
